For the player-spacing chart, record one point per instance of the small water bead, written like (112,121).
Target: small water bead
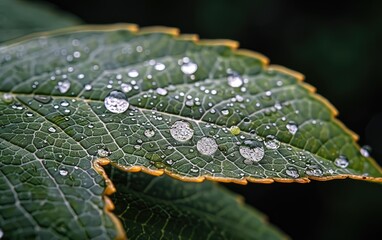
(225,112)
(252,153)
(64,103)
(268,93)
(271,142)
(116,102)
(235,130)
(88,87)
(29,114)
(181,131)
(235,80)
(126,87)
(8,98)
(63,86)
(63,172)
(365,151)
(102,152)
(162,91)
(43,99)
(90,126)
(292,127)
(341,161)
(194,169)
(133,73)
(292,172)
(149,133)
(314,171)
(207,146)
(160,67)
(188,67)
(52,130)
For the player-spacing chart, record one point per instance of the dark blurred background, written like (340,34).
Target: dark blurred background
(337,46)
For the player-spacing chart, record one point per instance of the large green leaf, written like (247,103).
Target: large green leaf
(163,208)
(71,97)
(18,18)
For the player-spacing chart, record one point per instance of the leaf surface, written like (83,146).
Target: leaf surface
(163,208)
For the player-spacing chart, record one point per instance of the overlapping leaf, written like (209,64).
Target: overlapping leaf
(163,208)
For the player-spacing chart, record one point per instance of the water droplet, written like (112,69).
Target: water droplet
(225,112)
(116,102)
(64,86)
(88,87)
(90,126)
(235,130)
(160,67)
(207,146)
(252,153)
(64,103)
(235,80)
(162,91)
(52,130)
(102,152)
(63,172)
(292,172)
(29,114)
(188,67)
(271,142)
(194,169)
(341,161)
(133,73)
(126,87)
(8,98)
(365,151)
(314,170)
(181,131)
(42,99)
(149,133)
(1,233)
(292,127)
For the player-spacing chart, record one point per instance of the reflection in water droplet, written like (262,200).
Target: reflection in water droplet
(126,87)
(341,161)
(188,67)
(235,80)
(292,172)
(292,127)
(254,152)
(162,91)
(149,133)
(116,102)
(207,146)
(271,142)
(42,99)
(133,73)
(314,171)
(365,151)
(52,130)
(181,131)
(235,130)
(64,86)
(63,172)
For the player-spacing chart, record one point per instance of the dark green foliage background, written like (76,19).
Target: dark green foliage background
(336,45)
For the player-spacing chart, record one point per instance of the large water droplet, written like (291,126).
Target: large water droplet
(225,112)
(292,172)
(314,170)
(52,130)
(162,91)
(188,67)
(63,86)
(160,67)
(103,152)
(235,80)
(292,127)
(64,103)
(254,152)
(116,102)
(271,142)
(88,87)
(341,161)
(133,73)
(207,146)
(181,131)
(149,133)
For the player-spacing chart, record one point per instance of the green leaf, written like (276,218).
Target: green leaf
(160,207)
(156,102)
(20,17)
